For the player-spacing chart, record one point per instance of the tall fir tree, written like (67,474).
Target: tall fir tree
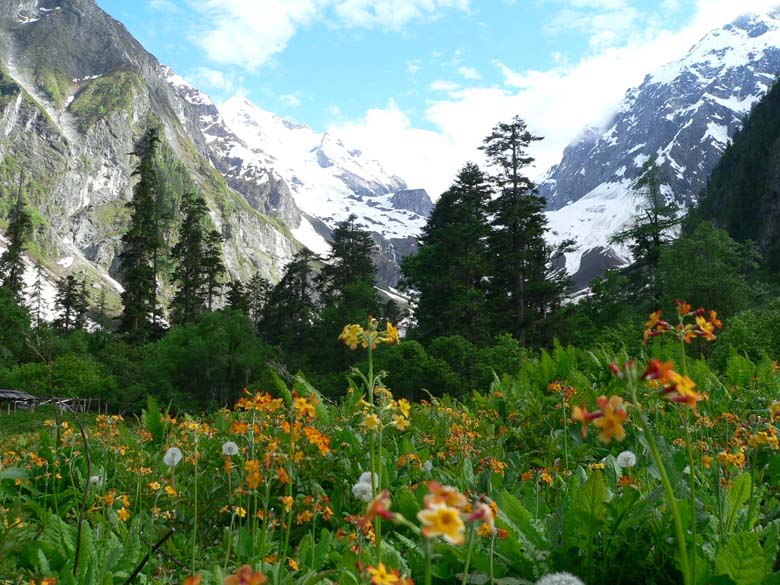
(651,230)
(18,235)
(237,298)
(349,261)
(257,292)
(213,268)
(291,310)
(523,293)
(142,244)
(449,271)
(36,298)
(71,302)
(188,256)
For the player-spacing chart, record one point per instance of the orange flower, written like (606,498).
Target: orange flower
(705,329)
(246,576)
(446,495)
(654,319)
(582,415)
(193,580)
(379,506)
(714,319)
(611,423)
(683,308)
(381,576)
(658,370)
(682,390)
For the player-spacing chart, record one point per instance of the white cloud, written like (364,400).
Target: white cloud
(557,103)
(413,67)
(207,78)
(249,34)
(442,85)
(290,100)
(469,73)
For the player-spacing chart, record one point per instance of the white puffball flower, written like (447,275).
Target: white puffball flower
(172,457)
(427,466)
(96,480)
(362,491)
(560,579)
(626,459)
(365,477)
(229,448)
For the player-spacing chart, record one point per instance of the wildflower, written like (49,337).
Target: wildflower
(246,576)
(626,459)
(444,495)
(404,407)
(123,514)
(683,308)
(391,334)
(372,422)
(379,506)
(485,514)
(774,411)
(442,520)
(153,485)
(427,466)
(400,422)
(582,415)
(705,329)
(171,491)
(611,423)
(193,580)
(293,564)
(351,335)
(380,576)
(658,370)
(229,448)
(682,390)
(560,579)
(239,511)
(546,477)
(288,502)
(95,480)
(172,457)
(304,408)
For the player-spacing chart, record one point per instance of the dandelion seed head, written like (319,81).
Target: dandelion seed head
(229,448)
(560,579)
(362,491)
(172,457)
(626,459)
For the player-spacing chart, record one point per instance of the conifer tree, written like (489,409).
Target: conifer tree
(36,298)
(213,268)
(257,291)
(142,245)
(650,232)
(12,260)
(71,303)
(189,272)
(349,261)
(449,271)
(520,280)
(291,310)
(237,298)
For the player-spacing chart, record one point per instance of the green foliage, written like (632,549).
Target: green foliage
(9,89)
(54,84)
(742,559)
(113,93)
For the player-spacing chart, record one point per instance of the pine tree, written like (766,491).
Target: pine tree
(213,268)
(36,298)
(349,261)
(237,298)
(449,271)
(291,310)
(257,291)
(71,303)
(649,233)
(520,280)
(142,245)
(188,255)
(12,261)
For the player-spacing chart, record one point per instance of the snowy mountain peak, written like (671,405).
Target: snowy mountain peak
(682,117)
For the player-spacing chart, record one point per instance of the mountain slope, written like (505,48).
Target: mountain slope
(77,92)
(743,195)
(682,116)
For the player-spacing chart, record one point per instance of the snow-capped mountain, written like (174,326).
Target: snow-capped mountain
(682,116)
(308,179)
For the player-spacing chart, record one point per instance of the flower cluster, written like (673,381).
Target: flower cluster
(609,418)
(353,335)
(702,326)
(676,387)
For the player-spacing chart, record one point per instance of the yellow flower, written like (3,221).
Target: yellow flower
(350,335)
(380,576)
(400,422)
(293,564)
(404,407)
(288,502)
(372,422)
(391,335)
(441,520)
(774,411)
(153,485)
(170,490)
(611,423)
(123,514)
(239,511)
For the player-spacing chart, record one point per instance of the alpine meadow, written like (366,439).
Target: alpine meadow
(488,295)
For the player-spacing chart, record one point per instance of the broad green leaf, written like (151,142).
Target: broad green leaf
(742,559)
(737,497)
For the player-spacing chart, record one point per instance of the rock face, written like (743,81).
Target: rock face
(78,91)
(682,116)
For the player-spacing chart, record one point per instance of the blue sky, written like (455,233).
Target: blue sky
(404,77)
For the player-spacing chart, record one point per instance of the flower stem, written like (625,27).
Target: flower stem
(469,547)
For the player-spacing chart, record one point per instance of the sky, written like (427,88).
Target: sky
(417,84)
